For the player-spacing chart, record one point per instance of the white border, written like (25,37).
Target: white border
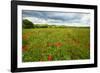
(20,64)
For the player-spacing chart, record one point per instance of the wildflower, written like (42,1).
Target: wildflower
(24,48)
(49,57)
(57,44)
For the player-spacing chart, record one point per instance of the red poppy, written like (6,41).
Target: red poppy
(24,48)
(49,57)
(57,44)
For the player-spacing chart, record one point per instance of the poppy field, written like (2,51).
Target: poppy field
(54,44)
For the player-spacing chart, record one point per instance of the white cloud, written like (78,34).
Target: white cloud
(35,19)
(58,18)
(85,19)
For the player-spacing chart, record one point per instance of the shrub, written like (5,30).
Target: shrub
(27,24)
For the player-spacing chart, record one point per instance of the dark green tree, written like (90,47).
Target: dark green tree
(27,24)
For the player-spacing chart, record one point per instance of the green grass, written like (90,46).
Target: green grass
(51,44)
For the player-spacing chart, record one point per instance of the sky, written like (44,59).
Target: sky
(57,18)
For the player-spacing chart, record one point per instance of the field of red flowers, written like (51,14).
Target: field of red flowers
(51,44)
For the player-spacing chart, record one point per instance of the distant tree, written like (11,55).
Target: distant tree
(41,25)
(44,26)
(27,24)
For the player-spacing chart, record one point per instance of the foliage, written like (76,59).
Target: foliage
(51,44)
(41,25)
(27,24)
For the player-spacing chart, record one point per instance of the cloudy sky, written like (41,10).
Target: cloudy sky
(57,18)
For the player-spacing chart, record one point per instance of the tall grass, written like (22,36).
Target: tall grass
(51,44)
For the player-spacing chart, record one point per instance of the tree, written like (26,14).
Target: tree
(27,24)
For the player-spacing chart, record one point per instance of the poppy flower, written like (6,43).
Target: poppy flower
(49,57)
(57,44)
(24,48)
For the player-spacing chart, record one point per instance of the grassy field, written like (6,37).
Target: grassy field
(51,44)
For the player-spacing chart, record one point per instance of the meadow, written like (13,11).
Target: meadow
(53,44)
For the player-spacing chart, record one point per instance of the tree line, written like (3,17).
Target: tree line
(28,24)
